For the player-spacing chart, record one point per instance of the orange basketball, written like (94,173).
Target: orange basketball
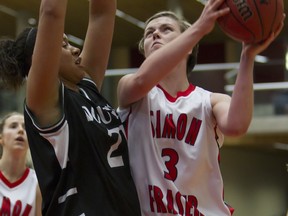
(251,20)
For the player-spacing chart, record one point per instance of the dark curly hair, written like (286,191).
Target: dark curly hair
(192,59)
(15,58)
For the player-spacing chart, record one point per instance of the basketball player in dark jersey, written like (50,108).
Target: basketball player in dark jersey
(77,141)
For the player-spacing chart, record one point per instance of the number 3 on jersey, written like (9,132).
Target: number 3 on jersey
(171,161)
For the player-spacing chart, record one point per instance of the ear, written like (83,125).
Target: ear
(0,139)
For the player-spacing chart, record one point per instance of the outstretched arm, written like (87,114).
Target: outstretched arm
(43,85)
(97,45)
(133,87)
(234,116)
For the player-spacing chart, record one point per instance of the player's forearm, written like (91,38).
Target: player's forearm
(102,7)
(242,101)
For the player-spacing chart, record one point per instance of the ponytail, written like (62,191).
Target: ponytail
(15,58)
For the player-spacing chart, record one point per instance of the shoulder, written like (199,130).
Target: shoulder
(202,90)
(32,174)
(218,98)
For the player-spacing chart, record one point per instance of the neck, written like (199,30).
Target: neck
(12,167)
(70,85)
(175,81)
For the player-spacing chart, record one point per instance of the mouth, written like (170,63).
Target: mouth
(156,44)
(20,139)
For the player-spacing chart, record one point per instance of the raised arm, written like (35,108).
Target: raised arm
(98,39)
(156,66)
(234,115)
(42,84)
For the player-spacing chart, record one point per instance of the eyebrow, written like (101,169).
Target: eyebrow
(161,26)
(149,28)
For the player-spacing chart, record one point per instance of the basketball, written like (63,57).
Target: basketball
(251,20)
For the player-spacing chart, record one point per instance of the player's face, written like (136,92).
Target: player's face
(70,68)
(14,136)
(159,32)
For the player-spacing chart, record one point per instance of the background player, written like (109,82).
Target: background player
(19,190)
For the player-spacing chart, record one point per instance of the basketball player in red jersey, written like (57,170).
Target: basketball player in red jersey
(175,129)
(19,190)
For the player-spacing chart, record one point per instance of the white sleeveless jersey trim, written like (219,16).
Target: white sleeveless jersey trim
(174,153)
(20,195)
(60,142)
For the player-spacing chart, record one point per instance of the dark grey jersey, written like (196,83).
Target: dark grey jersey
(82,161)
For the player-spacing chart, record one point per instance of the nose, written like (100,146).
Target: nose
(156,34)
(21,128)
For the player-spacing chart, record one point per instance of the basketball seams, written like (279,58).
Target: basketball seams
(260,19)
(252,35)
(251,21)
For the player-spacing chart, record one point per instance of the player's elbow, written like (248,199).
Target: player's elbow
(236,131)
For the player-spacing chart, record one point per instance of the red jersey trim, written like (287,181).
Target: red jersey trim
(169,97)
(16,183)
(126,124)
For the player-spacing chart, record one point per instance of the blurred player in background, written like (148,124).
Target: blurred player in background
(19,190)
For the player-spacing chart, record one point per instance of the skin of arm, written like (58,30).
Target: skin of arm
(42,83)
(234,115)
(100,29)
(38,202)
